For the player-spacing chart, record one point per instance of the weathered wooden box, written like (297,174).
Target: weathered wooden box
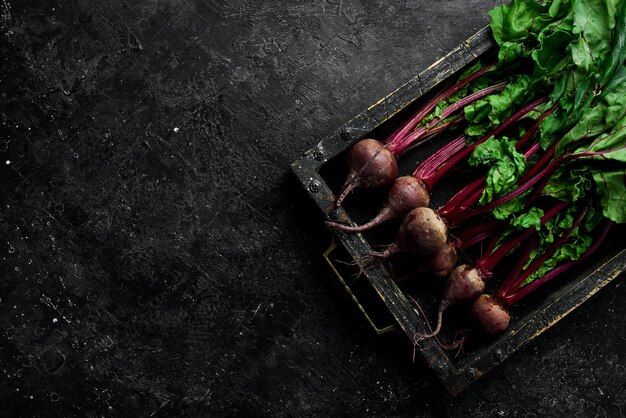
(318,173)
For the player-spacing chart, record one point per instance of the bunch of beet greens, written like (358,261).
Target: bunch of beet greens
(544,131)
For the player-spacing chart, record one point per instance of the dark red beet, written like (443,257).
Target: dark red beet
(490,315)
(464,284)
(406,194)
(370,165)
(422,232)
(440,264)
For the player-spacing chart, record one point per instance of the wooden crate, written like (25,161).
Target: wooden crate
(455,374)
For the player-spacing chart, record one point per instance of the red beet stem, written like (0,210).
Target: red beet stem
(514,281)
(557,271)
(543,174)
(539,164)
(401,144)
(531,131)
(456,210)
(475,234)
(519,265)
(440,156)
(451,205)
(436,131)
(487,263)
(432,176)
(469,195)
(432,103)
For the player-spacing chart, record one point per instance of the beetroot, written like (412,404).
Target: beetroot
(370,165)
(406,194)
(464,284)
(422,232)
(373,164)
(439,264)
(490,315)
(428,174)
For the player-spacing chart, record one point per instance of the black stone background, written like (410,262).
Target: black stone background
(159,259)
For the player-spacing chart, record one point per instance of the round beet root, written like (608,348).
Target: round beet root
(406,193)
(439,264)
(464,284)
(370,165)
(443,261)
(490,315)
(422,232)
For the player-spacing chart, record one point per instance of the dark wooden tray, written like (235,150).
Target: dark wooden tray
(455,373)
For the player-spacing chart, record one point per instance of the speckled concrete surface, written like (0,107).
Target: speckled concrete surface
(158,259)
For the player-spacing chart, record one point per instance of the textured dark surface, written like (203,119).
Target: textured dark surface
(157,258)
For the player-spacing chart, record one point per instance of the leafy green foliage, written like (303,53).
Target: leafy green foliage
(570,251)
(603,114)
(577,49)
(519,21)
(575,246)
(528,219)
(611,189)
(486,113)
(510,208)
(576,53)
(505,163)
(597,52)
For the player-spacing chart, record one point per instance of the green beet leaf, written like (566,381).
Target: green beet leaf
(611,189)
(569,183)
(506,165)
(529,219)
(519,19)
